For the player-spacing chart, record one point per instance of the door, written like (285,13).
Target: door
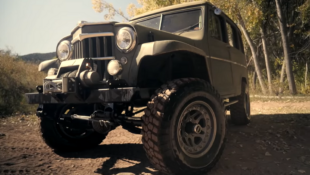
(236,54)
(221,68)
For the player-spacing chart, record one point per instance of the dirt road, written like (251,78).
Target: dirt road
(273,144)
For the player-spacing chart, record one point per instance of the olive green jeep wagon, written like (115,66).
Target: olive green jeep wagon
(181,66)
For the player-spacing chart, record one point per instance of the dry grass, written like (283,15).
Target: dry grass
(17,77)
(280,107)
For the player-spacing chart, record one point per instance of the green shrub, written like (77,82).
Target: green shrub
(16,78)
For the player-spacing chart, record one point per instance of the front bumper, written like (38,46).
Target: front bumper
(105,95)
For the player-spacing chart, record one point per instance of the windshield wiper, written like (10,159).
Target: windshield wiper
(187,28)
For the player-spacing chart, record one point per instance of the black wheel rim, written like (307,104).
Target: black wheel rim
(66,127)
(196,129)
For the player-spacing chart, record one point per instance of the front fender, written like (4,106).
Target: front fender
(158,48)
(46,65)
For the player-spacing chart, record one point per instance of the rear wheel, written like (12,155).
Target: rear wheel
(68,134)
(240,112)
(183,129)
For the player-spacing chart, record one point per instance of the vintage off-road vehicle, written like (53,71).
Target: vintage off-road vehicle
(182,65)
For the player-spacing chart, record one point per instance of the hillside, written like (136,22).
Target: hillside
(38,57)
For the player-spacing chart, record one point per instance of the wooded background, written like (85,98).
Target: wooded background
(276,35)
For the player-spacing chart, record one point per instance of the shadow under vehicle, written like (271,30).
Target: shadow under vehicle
(182,65)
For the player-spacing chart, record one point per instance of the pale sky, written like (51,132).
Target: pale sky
(36,26)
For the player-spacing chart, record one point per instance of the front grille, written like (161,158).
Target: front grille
(93,47)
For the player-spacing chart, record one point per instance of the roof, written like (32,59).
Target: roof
(172,7)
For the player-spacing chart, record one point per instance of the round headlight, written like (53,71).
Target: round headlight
(115,67)
(64,50)
(126,39)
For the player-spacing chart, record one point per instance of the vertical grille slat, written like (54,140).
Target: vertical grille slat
(105,46)
(79,48)
(98,47)
(73,53)
(85,48)
(109,46)
(105,63)
(75,50)
(93,48)
(99,64)
(101,47)
(90,48)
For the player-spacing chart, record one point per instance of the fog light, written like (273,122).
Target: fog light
(115,67)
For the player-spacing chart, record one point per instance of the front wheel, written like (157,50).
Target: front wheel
(184,126)
(64,135)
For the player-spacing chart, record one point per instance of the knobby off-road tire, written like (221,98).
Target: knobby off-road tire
(240,112)
(184,126)
(60,138)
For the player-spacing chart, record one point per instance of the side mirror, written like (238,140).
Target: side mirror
(217,11)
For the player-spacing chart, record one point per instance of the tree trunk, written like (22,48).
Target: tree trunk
(289,72)
(252,47)
(306,75)
(263,32)
(282,77)
(254,80)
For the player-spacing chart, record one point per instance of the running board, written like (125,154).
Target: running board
(230,103)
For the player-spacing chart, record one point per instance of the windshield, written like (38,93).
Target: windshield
(176,22)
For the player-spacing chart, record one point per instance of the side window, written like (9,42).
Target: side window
(232,36)
(240,43)
(214,26)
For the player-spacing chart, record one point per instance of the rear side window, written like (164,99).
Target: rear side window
(232,36)
(214,26)
(241,44)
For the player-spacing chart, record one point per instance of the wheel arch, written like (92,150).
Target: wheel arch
(168,60)
(170,66)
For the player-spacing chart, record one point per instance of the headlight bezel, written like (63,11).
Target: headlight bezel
(133,35)
(70,50)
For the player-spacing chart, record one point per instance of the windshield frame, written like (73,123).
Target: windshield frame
(162,14)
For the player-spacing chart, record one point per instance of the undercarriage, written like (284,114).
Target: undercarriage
(102,117)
